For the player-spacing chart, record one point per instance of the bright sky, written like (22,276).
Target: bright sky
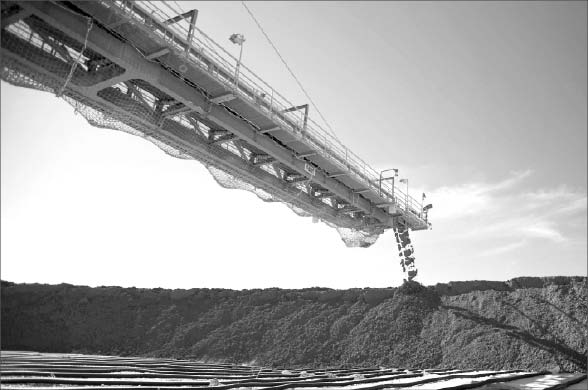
(482,105)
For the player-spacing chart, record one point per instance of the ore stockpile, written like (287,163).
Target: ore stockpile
(531,324)
(30,370)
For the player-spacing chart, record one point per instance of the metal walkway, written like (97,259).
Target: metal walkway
(131,66)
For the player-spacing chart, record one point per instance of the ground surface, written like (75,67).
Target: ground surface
(525,324)
(26,370)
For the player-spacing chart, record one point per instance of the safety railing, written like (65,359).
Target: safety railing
(204,52)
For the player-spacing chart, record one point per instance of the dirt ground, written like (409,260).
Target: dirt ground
(524,323)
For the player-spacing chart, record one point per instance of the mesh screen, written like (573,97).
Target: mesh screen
(357,238)
(226,180)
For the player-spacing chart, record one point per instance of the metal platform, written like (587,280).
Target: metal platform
(132,63)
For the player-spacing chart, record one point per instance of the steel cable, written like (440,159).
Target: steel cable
(289,70)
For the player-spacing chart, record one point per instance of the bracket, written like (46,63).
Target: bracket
(193,15)
(303,106)
(223,98)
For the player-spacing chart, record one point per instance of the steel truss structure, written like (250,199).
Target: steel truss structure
(130,66)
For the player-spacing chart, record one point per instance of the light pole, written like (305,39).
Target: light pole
(238,39)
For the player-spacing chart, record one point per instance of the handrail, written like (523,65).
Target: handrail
(251,87)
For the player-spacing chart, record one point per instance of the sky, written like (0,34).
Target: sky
(481,105)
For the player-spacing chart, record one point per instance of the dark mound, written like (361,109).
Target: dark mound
(526,323)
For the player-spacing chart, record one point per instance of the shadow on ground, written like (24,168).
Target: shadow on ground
(553,345)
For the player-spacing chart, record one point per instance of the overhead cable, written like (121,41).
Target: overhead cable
(289,69)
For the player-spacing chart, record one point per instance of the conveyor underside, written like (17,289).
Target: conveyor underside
(122,68)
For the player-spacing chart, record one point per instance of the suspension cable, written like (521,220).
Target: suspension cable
(289,70)
(179,6)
